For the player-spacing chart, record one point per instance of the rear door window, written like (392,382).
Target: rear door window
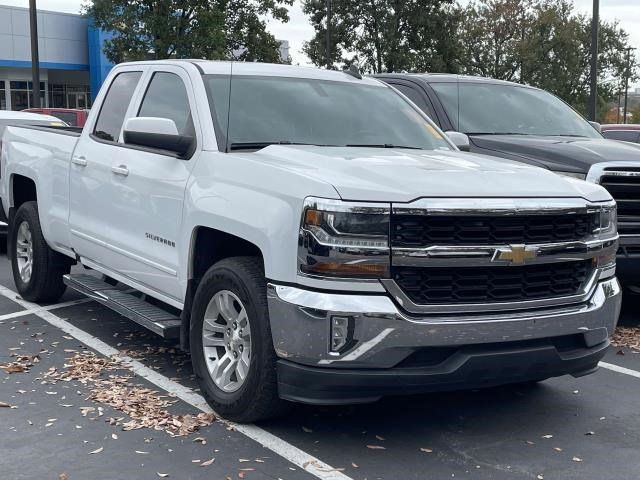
(115,105)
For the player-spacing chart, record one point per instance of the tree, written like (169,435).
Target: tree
(385,35)
(492,34)
(543,43)
(635,112)
(212,29)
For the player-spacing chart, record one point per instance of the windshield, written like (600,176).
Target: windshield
(261,111)
(477,108)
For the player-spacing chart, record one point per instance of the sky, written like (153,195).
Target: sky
(298,29)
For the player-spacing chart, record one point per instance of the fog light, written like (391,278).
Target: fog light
(341,333)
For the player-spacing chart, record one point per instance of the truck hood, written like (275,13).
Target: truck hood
(571,154)
(403,175)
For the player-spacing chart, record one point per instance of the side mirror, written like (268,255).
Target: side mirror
(597,126)
(460,140)
(159,133)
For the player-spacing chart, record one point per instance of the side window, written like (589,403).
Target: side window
(166,97)
(624,135)
(115,104)
(415,96)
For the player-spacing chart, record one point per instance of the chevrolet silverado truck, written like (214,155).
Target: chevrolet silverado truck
(529,125)
(310,236)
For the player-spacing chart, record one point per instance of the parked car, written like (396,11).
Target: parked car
(529,125)
(323,240)
(8,117)
(75,117)
(622,132)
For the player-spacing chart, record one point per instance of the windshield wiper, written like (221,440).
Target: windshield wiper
(259,145)
(498,133)
(381,145)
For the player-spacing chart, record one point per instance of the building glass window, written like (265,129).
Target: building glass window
(69,96)
(21,94)
(3,97)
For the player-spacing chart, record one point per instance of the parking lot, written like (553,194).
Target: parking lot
(565,428)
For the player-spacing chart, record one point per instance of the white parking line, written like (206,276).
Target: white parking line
(293,454)
(616,368)
(30,311)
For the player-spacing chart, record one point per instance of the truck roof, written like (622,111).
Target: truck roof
(264,69)
(449,78)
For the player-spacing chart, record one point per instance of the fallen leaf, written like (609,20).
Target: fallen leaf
(97,450)
(590,433)
(376,447)
(63,476)
(114,436)
(307,430)
(207,463)
(547,436)
(201,440)
(4,404)
(380,438)
(426,450)
(141,452)
(557,449)
(576,459)
(163,475)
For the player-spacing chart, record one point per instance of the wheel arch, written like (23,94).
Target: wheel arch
(207,247)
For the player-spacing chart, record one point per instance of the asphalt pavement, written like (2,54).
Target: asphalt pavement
(563,428)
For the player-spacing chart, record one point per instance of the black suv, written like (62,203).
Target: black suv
(530,125)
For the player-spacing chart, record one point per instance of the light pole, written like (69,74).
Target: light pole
(35,58)
(593,94)
(328,35)
(626,83)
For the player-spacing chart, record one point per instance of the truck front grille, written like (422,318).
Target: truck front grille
(440,285)
(624,186)
(428,230)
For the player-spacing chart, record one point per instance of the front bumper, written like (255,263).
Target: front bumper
(394,353)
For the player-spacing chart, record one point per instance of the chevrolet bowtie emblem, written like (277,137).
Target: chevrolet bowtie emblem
(516,254)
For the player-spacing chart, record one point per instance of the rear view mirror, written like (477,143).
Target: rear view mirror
(460,140)
(597,126)
(159,133)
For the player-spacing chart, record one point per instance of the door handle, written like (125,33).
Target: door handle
(79,160)
(120,170)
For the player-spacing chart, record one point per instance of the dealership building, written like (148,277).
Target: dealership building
(72,65)
(72,62)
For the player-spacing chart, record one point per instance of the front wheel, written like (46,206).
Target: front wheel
(231,346)
(37,270)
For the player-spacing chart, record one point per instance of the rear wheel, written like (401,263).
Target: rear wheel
(231,346)
(37,270)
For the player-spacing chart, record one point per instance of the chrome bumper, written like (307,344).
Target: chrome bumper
(384,335)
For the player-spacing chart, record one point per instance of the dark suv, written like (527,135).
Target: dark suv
(530,125)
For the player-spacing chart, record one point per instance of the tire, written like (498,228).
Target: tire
(44,282)
(240,279)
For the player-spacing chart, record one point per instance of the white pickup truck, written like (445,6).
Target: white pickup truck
(310,236)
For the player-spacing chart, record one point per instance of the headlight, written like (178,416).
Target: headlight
(344,239)
(580,176)
(608,221)
(608,233)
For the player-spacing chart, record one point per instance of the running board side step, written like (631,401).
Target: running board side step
(143,313)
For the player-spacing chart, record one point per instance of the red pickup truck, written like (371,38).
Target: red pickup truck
(75,117)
